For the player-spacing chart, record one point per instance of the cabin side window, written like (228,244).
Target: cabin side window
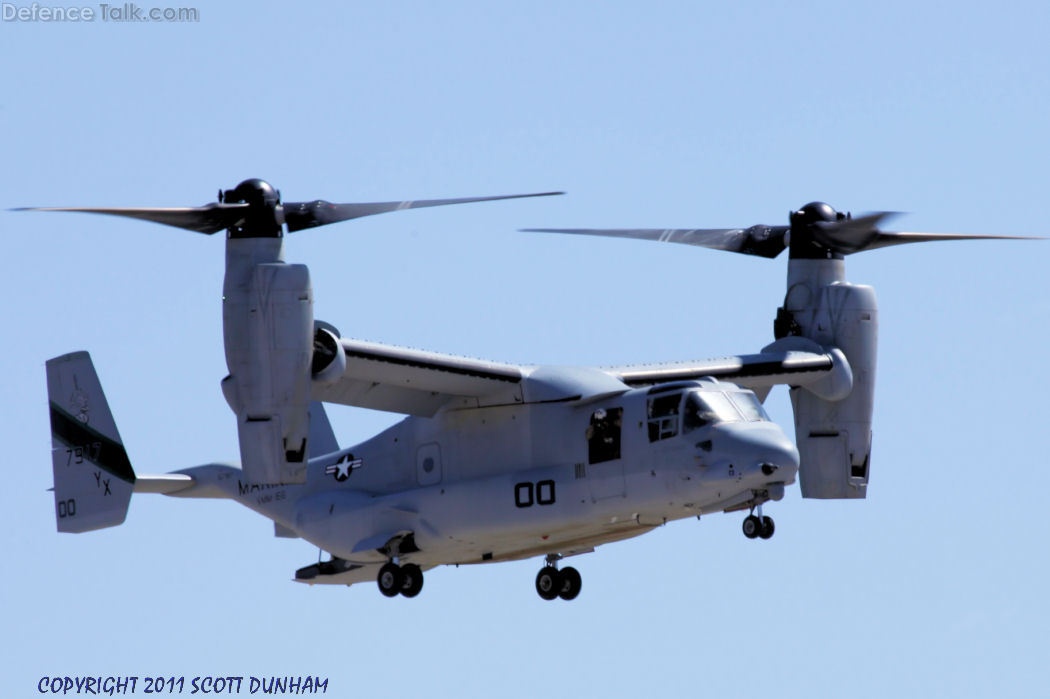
(663,416)
(603,435)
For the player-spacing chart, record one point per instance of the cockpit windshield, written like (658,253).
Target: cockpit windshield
(749,407)
(703,408)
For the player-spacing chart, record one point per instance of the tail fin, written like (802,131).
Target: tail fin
(322,436)
(93,476)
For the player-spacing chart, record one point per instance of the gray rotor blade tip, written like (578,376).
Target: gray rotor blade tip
(885,239)
(763,241)
(302,215)
(202,219)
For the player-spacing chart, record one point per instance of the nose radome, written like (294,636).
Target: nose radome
(760,444)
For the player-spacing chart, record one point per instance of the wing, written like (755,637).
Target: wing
(793,361)
(415,382)
(748,370)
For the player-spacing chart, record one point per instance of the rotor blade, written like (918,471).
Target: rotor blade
(883,240)
(202,219)
(764,241)
(862,233)
(851,234)
(302,215)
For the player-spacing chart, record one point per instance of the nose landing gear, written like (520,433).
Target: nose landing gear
(551,582)
(758,526)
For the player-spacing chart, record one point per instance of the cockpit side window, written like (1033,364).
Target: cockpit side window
(663,416)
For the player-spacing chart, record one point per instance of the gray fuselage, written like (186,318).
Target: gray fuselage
(506,482)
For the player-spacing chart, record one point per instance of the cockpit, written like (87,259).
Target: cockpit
(693,409)
(703,408)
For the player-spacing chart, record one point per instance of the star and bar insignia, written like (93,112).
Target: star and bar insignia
(342,468)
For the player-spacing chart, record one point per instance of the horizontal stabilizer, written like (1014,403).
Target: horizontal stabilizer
(165,484)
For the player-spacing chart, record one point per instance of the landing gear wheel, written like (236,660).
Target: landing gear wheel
(391,579)
(570,583)
(767,528)
(413,580)
(752,526)
(548,582)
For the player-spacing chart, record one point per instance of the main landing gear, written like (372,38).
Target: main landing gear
(394,580)
(757,526)
(551,582)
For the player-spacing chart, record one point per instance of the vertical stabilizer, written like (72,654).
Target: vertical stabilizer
(322,436)
(93,476)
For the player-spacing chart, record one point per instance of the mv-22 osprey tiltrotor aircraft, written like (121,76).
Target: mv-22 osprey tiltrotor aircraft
(495,462)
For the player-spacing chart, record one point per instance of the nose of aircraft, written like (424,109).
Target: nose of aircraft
(760,446)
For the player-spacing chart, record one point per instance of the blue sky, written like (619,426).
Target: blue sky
(676,115)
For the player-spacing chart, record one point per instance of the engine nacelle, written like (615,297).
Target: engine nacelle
(269,331)
(834,435)
(329,358)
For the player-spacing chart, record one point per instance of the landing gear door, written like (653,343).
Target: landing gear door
(428,464)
